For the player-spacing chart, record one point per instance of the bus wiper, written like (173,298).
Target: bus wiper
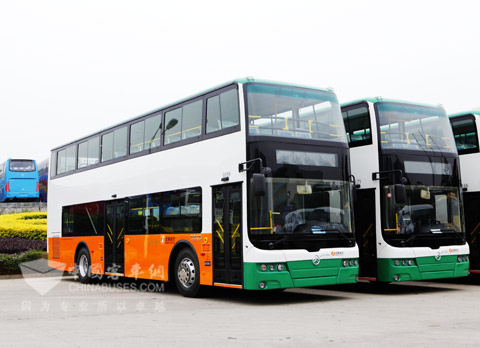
(408,240)
(350,241)
(272,245)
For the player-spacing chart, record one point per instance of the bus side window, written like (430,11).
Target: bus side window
(357,125)
(465,133)
(222,111)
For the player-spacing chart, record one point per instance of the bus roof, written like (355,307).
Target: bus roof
(471,112)
(374,100)
(238,80)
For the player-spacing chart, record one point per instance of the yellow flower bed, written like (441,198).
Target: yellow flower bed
(24,225)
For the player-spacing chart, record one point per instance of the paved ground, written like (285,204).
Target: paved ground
(124,315)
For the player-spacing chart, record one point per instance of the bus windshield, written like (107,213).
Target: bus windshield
(429,212)
(296,207)
(414,127)
(22,166)
(283,111)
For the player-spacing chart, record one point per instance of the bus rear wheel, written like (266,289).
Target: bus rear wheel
(83,266)
(187,273)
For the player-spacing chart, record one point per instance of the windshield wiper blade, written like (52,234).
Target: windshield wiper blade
(351,241)
(408,240)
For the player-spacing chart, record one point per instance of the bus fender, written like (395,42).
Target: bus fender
(179,245)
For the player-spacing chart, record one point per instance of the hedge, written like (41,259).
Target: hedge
(10,263)
(18,245)
(24,225)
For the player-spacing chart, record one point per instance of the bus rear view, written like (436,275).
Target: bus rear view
(19,180)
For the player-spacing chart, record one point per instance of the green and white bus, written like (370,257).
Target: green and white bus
(408,215)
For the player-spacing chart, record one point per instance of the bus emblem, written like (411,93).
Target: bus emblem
(316,260)
(438,256)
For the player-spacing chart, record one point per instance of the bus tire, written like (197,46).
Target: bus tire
(187,273)
(83,266)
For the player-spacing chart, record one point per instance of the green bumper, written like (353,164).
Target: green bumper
(423,268)
(298,274)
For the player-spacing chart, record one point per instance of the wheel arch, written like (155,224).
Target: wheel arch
(82,244)
(179,246)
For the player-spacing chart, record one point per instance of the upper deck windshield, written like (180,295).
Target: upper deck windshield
(22,166)
(284,111)
(414,127)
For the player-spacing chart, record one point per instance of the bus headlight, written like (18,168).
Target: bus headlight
(263,267)
(410,262)
(272,268)
(397,262)
(261,285)
(345,263)
(280,267)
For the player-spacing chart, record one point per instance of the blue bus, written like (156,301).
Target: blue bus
(19,180)
(43,179)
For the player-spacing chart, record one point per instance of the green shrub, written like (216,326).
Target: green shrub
(10,263)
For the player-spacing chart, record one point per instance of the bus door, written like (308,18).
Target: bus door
(471,202)
(114,237)
(227,234)
(365,232)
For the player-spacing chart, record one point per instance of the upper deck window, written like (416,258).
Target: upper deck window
(283,111)
(357,125)
(186,122)
(22,166)
(88,152)
(114,144)
(414,127)
(66,159)
(465,133)
(222,111)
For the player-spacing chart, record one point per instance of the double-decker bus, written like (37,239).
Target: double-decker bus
(19,180)
(465,130)
(245,185)
(409,220)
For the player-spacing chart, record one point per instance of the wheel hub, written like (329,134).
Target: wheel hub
(186,272)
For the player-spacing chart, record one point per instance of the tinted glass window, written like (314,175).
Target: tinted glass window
(83,219)
(357,125)
(465,133)
(181,211)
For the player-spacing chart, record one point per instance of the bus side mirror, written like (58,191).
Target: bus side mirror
(259,188)
(400,194)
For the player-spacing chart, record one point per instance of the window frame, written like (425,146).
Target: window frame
(350,107)
(472,118)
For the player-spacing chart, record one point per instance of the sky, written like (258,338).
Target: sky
(70,68)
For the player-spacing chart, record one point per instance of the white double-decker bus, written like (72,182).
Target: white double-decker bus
(245,185)
(465,127)
(408,215)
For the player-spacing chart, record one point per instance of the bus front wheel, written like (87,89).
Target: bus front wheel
(83,266)
(187,273)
